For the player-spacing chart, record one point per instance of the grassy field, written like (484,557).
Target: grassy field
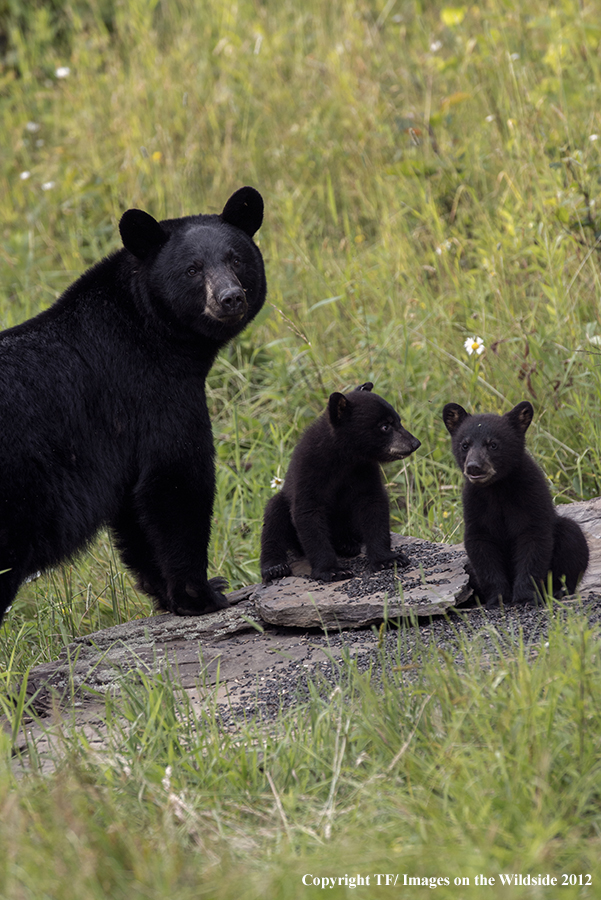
(430,174)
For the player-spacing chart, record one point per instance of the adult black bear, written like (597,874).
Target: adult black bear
(513,535)
(103,413)
(333,499)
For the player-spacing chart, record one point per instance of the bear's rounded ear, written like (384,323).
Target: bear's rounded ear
(140,233)
(338,408)
(244,210)
(368,386)
(453,415)
(521,415)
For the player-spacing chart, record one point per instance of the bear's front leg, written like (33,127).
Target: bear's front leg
(370,514)
(314,534)
(488,570)
(277,538)
(173,506)
(533,560)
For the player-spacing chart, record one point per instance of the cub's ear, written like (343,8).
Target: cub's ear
(141,234)
(338,408)
(244,210)
(453,415)
(368,386)
(520,416)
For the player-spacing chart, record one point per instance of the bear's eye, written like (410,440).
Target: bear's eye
(385,427)
(493,445)
(193,270)
(465,445)
(236,262)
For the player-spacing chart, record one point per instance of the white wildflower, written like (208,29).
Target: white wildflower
(276,483)
(48,185)
(435,46)
(32,127)
(593,137)
(474,345)
(24,175)
(62,72)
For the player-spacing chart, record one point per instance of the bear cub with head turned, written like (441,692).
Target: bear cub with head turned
(513,535)
(333,500)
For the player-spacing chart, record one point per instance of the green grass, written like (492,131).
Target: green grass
(430,770)
(430,173)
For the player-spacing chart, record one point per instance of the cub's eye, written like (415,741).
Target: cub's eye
(191,270)
(385,427)
(236,262)
(493,445)
(465,445)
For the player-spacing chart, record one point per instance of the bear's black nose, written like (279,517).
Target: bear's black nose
(473,469)
(232,302)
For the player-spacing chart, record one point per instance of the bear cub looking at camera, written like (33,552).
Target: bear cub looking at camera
(513,535)
(333,500)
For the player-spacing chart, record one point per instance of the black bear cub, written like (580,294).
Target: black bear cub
(333,500)
(103,414)
(513,535)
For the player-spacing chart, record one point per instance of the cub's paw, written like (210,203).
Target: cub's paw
(394,558)
(495,599)
(337,573)
(273,573)
(525,595)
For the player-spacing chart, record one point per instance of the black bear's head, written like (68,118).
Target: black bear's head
(143,236)
(367,428)
(487,447)
(202,274)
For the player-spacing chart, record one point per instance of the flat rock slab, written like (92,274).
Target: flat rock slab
(588,515)
(256,651)
(91,664)
(434,581)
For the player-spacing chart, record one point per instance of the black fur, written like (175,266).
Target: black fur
(333,500)
(103,413)
(513,534)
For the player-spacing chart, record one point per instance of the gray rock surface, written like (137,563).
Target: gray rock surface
(257,652)
(434,581)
